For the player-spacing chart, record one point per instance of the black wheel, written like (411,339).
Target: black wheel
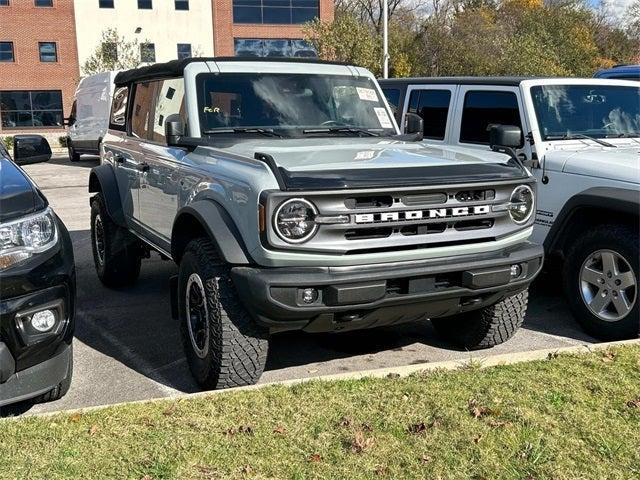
(116,252)
(59,390)
(600,277)
(224,346)
(485,327)
(73,155)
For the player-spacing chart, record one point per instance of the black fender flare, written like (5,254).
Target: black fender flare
(614,199)
(103,179)
(219,227)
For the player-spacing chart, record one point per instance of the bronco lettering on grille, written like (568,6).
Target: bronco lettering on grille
(421,214)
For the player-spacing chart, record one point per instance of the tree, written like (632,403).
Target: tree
(114,52)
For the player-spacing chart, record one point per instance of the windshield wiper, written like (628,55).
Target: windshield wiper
(624,135)
(341,130)
(578,136)
(267,132)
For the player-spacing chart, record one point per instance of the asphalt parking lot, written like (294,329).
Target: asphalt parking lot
(127,347)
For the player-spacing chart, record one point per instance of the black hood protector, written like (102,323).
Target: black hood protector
(392,177)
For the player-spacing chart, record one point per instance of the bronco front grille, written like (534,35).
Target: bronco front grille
(403,219)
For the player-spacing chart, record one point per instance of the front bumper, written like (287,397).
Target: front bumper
(366,296)
(31,361)
(36,380)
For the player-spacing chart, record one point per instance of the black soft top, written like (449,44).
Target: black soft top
(175,68)
(503,81)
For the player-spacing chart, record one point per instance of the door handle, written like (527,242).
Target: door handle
(143,167)
(119,158)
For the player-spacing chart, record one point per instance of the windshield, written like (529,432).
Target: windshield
(599,111)
(291,104)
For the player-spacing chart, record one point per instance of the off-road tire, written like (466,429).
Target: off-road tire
(623,240)
(73,155)
(122,254)
(60,390)
(236,351)
(485,327)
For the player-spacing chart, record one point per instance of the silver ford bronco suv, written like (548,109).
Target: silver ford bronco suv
(289,198)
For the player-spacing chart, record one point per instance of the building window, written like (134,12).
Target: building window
(110,51)
(43,3)
(147,52)
(275,11)
(105,3)
(273,47)
(483,108)
(6,52)
(184,50)
(38,108)
(145,4)
(4,3)
(182,4)
(48,52)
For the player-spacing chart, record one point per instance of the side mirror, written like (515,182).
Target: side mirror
(413,124)
(30,149)
(68,121)
(505,136)
(174,129)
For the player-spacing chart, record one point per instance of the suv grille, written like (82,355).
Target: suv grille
(404,219)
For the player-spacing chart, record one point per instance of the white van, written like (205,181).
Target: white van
(89,117)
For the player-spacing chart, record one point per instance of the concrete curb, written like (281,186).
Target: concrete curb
(403,371)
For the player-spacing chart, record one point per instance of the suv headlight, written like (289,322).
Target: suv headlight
(521,204)
(294,220)
(25,237)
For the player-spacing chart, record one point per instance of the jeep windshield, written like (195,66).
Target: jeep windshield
(567,112)
(292,105)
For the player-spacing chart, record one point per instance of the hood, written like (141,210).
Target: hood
(347,162)
(621,163)
(18,195)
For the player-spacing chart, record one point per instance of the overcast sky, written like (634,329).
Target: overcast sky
(617,7)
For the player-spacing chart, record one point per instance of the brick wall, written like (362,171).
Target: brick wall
(224,30)
(25,25)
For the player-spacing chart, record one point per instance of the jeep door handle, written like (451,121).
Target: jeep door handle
(119,158)
(143,167)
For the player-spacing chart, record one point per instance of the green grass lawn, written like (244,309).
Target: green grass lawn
(567,417)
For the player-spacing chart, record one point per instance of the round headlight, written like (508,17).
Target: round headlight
(295,220)
(521,206)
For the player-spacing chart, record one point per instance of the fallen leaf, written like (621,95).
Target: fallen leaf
(147,477)
(635,403)
(280,430)
(476,410)
(246,469)
(417,428)
(207,472)
(93,430)
(315,458)
(360,442)
(345,422)
(313,370)
(381,470)
(366,427)
(477,438)
(246,429)
(393,375)
(75,417)
(608,356)
(425,459)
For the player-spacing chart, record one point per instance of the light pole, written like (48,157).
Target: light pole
(385,39)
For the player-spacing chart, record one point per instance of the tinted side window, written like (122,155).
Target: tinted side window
(119,108)
(433,107)
(169,101)
(483,108)
(143,97)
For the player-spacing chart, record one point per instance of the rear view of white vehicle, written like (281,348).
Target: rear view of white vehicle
(89,117)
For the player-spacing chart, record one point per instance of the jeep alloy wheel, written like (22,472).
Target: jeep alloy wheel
(608,285)
(600,277)
(197,315)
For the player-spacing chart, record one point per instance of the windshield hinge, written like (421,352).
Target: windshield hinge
(529,138)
